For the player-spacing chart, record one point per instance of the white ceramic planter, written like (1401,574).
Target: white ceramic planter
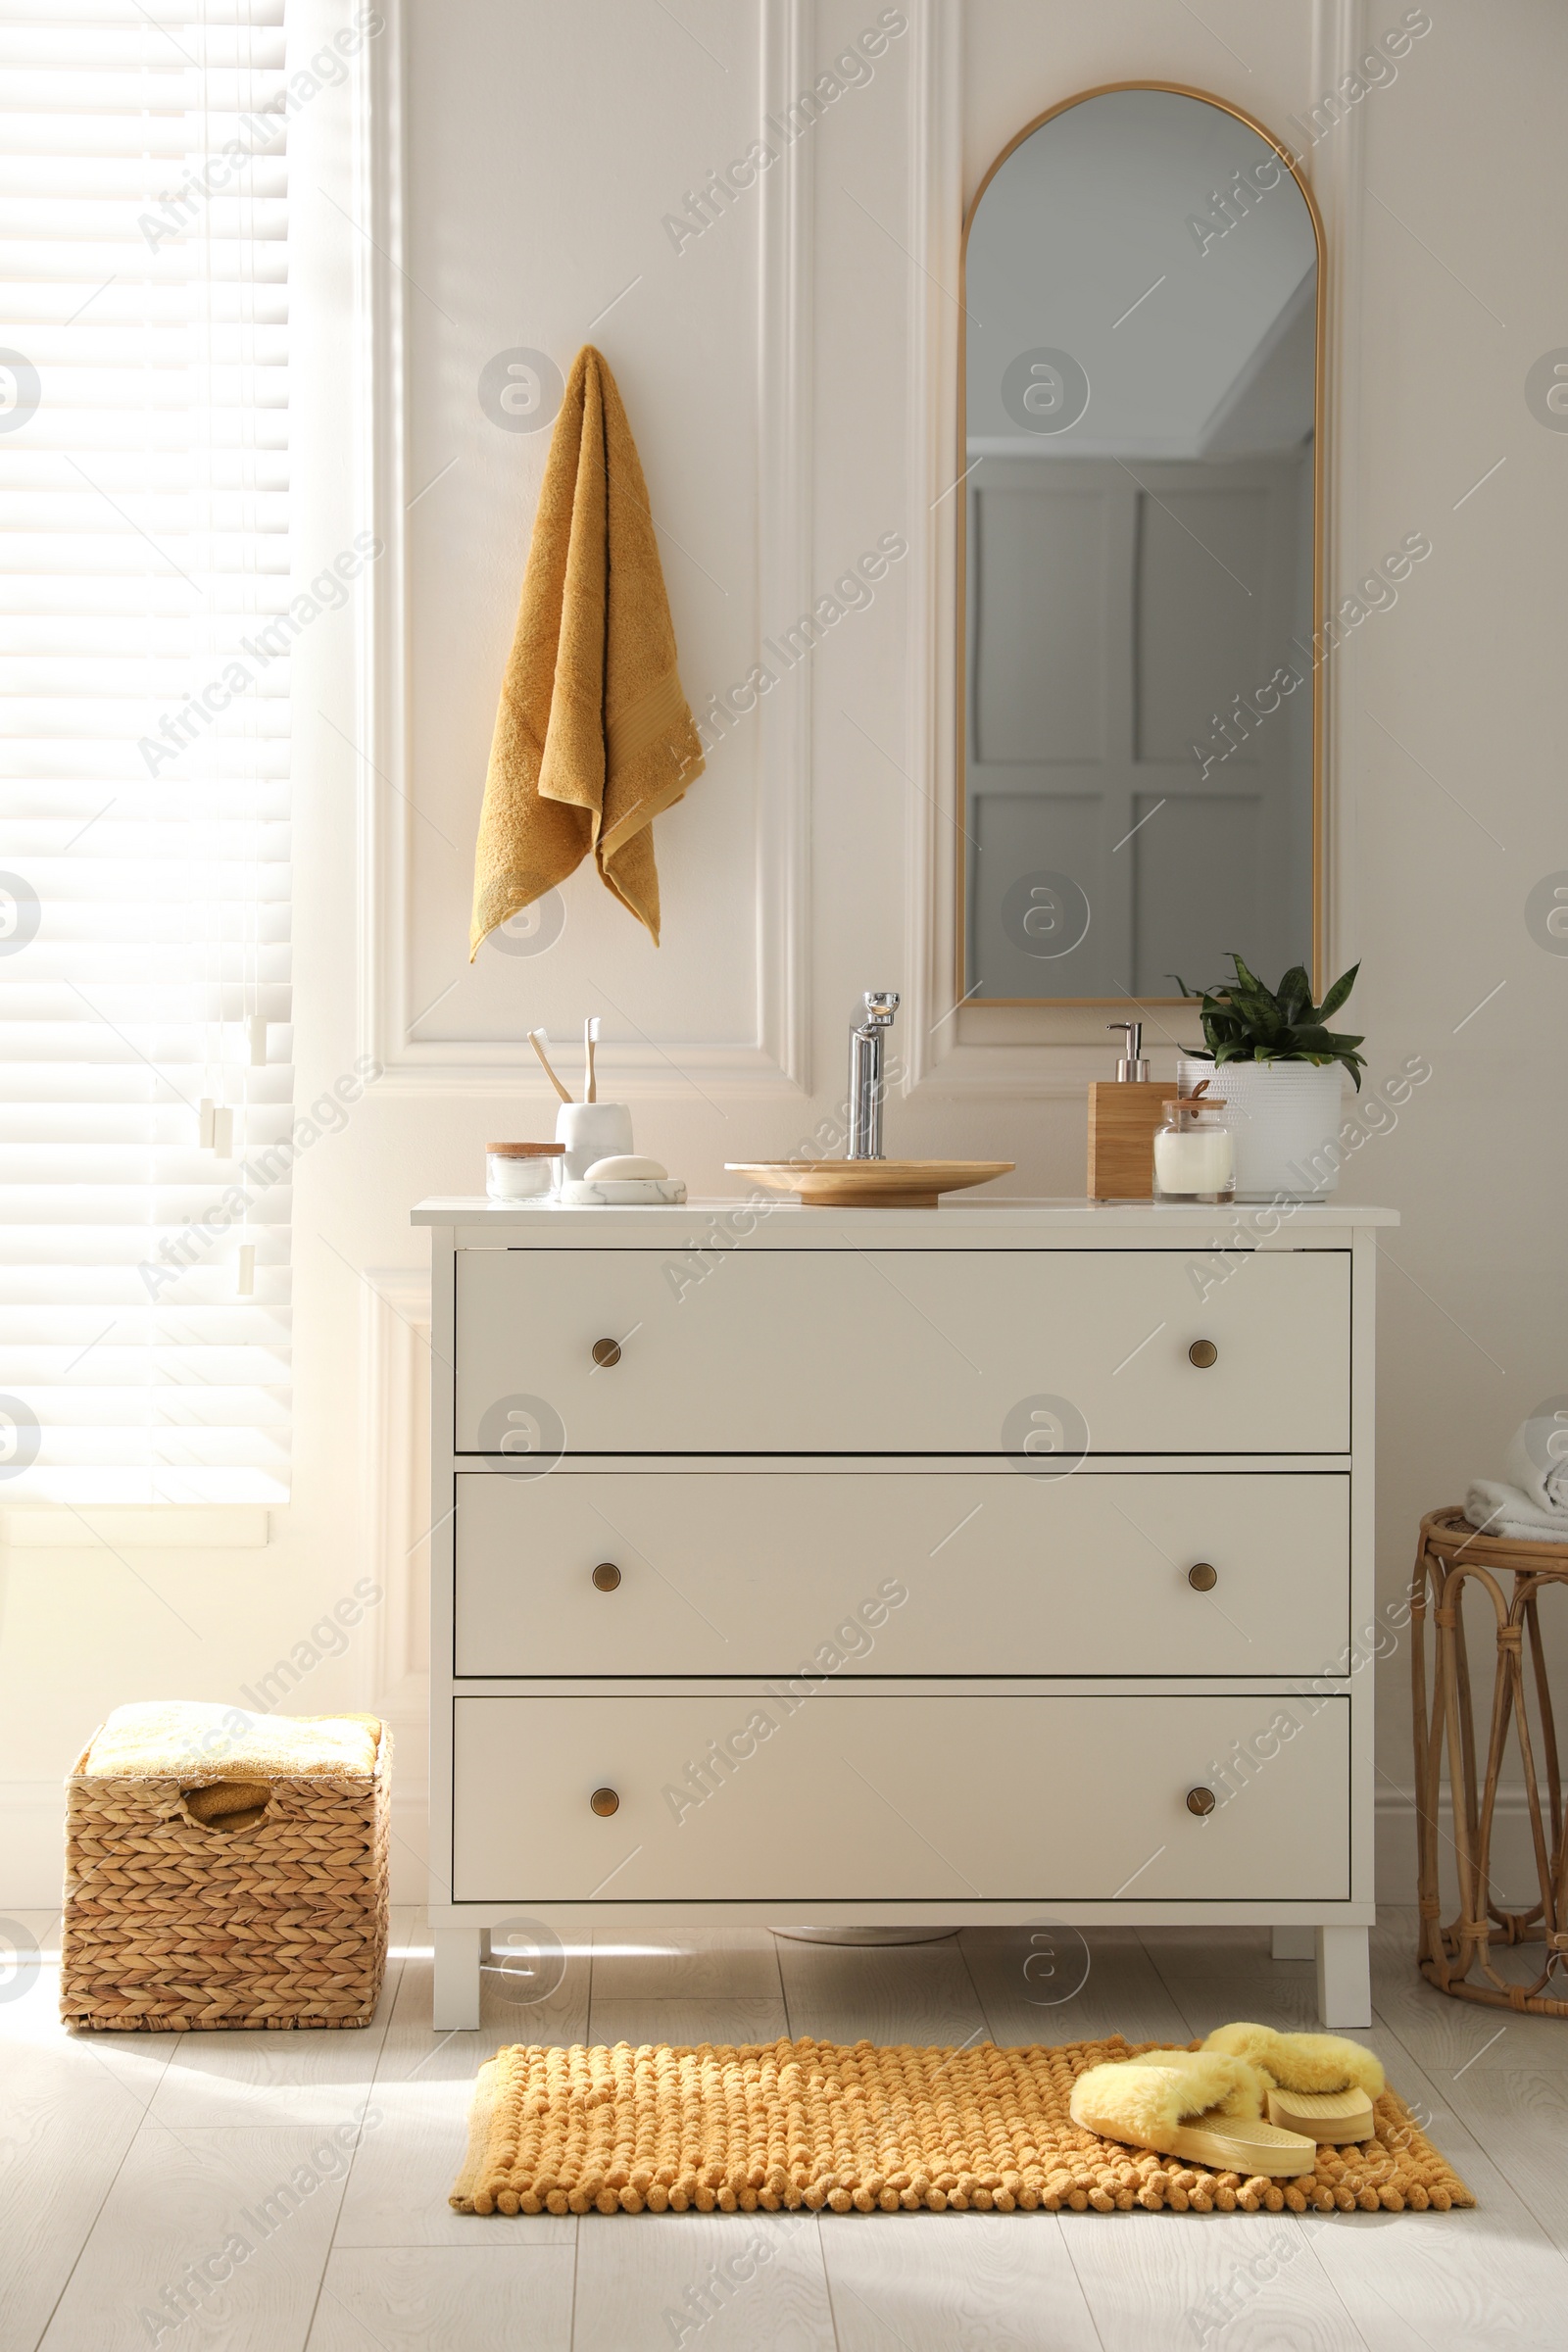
(1283,1115)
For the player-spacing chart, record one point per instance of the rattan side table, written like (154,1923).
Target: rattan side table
(1458,1958)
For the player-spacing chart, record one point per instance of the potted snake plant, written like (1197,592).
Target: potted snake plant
(1270,1056)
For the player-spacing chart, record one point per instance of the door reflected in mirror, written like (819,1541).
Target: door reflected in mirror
(1141,428)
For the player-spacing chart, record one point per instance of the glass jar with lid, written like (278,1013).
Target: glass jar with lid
(1194,1157)
(523,1171)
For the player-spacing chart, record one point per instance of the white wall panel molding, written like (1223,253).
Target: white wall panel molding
(379,398)
(1334,171)
(395,1334)
(395,1485)
(774,1063)
(786,349)
(932,503)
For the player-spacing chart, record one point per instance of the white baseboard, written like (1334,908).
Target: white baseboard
(33,1844)
(407,1871)
(1513,1862)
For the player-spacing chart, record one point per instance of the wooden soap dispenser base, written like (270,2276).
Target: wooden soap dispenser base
(1123,1114)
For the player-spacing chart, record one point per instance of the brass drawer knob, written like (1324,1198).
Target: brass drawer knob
(607,1576)
(1201,1352)
(1201,1576)
(604,1801)
(605,1354)
(1198,1800)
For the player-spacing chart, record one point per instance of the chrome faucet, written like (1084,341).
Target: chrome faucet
(866,1073)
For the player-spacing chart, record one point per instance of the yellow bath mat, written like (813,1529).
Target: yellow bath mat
(817,2125)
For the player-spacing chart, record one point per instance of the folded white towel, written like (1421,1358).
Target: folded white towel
(1538,1457)
(1495,1508)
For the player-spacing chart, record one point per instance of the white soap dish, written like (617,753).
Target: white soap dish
(627,1192)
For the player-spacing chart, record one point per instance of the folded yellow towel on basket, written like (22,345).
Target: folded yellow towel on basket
(174,1736)
(594,737)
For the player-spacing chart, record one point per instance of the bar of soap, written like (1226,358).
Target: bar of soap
(625,1167)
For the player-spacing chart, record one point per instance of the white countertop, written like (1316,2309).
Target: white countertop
(751,1211)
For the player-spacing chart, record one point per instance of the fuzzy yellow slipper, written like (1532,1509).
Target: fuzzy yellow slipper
(1203,2106)
(1317,2083)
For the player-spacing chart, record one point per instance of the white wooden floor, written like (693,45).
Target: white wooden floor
(128,2163)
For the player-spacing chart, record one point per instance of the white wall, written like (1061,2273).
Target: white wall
(782,374)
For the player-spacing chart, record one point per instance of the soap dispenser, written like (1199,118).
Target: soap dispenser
(1133,1067)
(1123,1113)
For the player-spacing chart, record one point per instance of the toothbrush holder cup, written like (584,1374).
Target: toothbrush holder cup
(592,1131)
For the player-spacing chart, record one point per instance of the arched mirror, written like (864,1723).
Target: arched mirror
(1141,385)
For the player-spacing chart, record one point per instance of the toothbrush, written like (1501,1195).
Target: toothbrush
(590,1038)
(538,1039)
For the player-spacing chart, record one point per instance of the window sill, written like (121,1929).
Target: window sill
(119,1527)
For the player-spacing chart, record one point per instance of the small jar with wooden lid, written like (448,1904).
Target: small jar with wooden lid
(1194,1153)
(523,1171)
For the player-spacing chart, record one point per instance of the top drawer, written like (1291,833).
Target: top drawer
(1038,1354)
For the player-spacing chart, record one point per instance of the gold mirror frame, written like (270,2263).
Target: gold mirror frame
(1104,89)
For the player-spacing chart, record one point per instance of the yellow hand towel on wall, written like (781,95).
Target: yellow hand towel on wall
(593,735)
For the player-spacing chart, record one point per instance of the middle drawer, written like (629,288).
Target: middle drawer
(762,1572)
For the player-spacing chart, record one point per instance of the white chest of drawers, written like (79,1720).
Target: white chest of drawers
(997,1563)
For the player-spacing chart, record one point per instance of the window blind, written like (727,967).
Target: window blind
(145,1081)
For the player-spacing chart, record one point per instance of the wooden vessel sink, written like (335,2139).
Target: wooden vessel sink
(869,1183)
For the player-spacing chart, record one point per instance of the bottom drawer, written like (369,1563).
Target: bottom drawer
(836,1796)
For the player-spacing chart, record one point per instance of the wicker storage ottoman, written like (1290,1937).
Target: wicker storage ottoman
(225,1868)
